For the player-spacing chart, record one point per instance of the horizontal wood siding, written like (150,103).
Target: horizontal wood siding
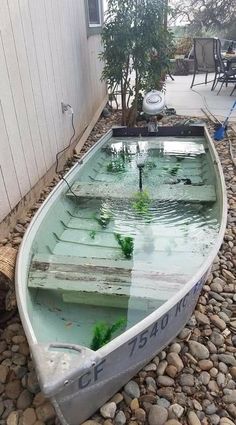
(45,58)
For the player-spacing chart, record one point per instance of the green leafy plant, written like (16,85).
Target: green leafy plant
(126,243)
(130,47)
(105,217)
(150,165)
(174,170)
(102,333)
(92,234)
(141,202)
(116,166)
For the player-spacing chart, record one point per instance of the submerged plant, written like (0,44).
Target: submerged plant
(102,333)
(174,170)
(105,217)
(141,202)
(116,166)
(92,234)
(150,165)
(126,243)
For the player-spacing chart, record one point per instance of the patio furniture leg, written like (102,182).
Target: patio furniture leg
(194,75)
(224,80)
(206,77)
(214,82)
(233,90)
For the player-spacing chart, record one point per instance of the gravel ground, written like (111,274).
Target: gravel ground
(191,382)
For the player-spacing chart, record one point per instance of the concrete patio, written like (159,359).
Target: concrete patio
(189,102)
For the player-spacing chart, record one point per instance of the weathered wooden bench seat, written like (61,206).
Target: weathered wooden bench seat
(106,283)
(164,192)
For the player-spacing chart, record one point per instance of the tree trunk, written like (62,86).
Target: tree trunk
(123,103)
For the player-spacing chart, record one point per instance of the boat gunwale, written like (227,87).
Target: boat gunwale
(22,259)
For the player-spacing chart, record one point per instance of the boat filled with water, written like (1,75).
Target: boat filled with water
(112,264)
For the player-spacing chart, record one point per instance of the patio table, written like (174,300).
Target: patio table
(230,59)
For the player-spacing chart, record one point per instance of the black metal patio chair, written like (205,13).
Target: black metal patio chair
(204,50)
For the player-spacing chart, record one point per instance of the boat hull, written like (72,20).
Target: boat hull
(87,392)
(78,391)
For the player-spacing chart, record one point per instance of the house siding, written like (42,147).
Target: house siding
(45,58)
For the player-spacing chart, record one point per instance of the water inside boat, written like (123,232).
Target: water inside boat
(139,221)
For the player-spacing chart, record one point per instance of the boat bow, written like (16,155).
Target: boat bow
(59,364)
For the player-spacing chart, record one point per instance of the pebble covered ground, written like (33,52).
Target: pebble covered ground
(191,382)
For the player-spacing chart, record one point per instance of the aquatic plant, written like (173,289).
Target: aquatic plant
(126,243)
(116,166)
(104,217)
(92,234)
(150,165)
(141,202)
(174,170)
(102,333)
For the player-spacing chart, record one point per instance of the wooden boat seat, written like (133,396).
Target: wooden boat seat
(164,192)
(106,283)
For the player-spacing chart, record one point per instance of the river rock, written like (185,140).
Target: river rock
(175,360)
(211,409)
(201,318)
(134,404)
(161,367)
(193,419)
(175,348)
(120,418)
(32,383)
(163,402)
(172,422)
(140,415)
(226,421)
(171,371)
(228,359)
(218,322)
(186,380)
(233,371)
(108,410)
(89,422)
(3,373)
(205,364)
(157,415)
(45,412)
(175,411)
(165,381)
(204,378)
(228,275)
(132,389)
(166,392)
(13,418)
(217,339)
(24,400)
(198,350)
(230,398)
(29,417)
(13,389)
(216,286)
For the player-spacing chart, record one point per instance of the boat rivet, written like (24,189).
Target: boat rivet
(66,382)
